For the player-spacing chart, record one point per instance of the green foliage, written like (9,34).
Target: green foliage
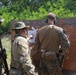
(34,10)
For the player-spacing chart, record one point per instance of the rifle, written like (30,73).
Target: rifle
(3,56)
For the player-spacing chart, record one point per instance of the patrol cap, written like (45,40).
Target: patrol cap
(51,16)
(19,25)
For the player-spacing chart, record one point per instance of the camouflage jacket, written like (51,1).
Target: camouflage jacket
(21,59)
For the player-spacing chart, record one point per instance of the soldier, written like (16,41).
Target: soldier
(1,20)
(21,63)
(51,40)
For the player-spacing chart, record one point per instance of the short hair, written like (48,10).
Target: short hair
(51,16)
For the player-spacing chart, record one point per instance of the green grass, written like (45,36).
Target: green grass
(6,43)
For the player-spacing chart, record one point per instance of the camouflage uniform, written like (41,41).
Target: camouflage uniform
(21,63)
(48,40)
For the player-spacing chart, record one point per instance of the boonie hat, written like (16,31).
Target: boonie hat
(1,20)
(19,25)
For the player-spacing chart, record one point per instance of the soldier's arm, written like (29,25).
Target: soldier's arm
(37,42)
(64,41)
(25,59)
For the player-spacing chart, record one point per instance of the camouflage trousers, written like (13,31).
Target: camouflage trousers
(49,65)
(16,72)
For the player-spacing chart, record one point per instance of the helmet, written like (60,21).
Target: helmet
(19,25)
